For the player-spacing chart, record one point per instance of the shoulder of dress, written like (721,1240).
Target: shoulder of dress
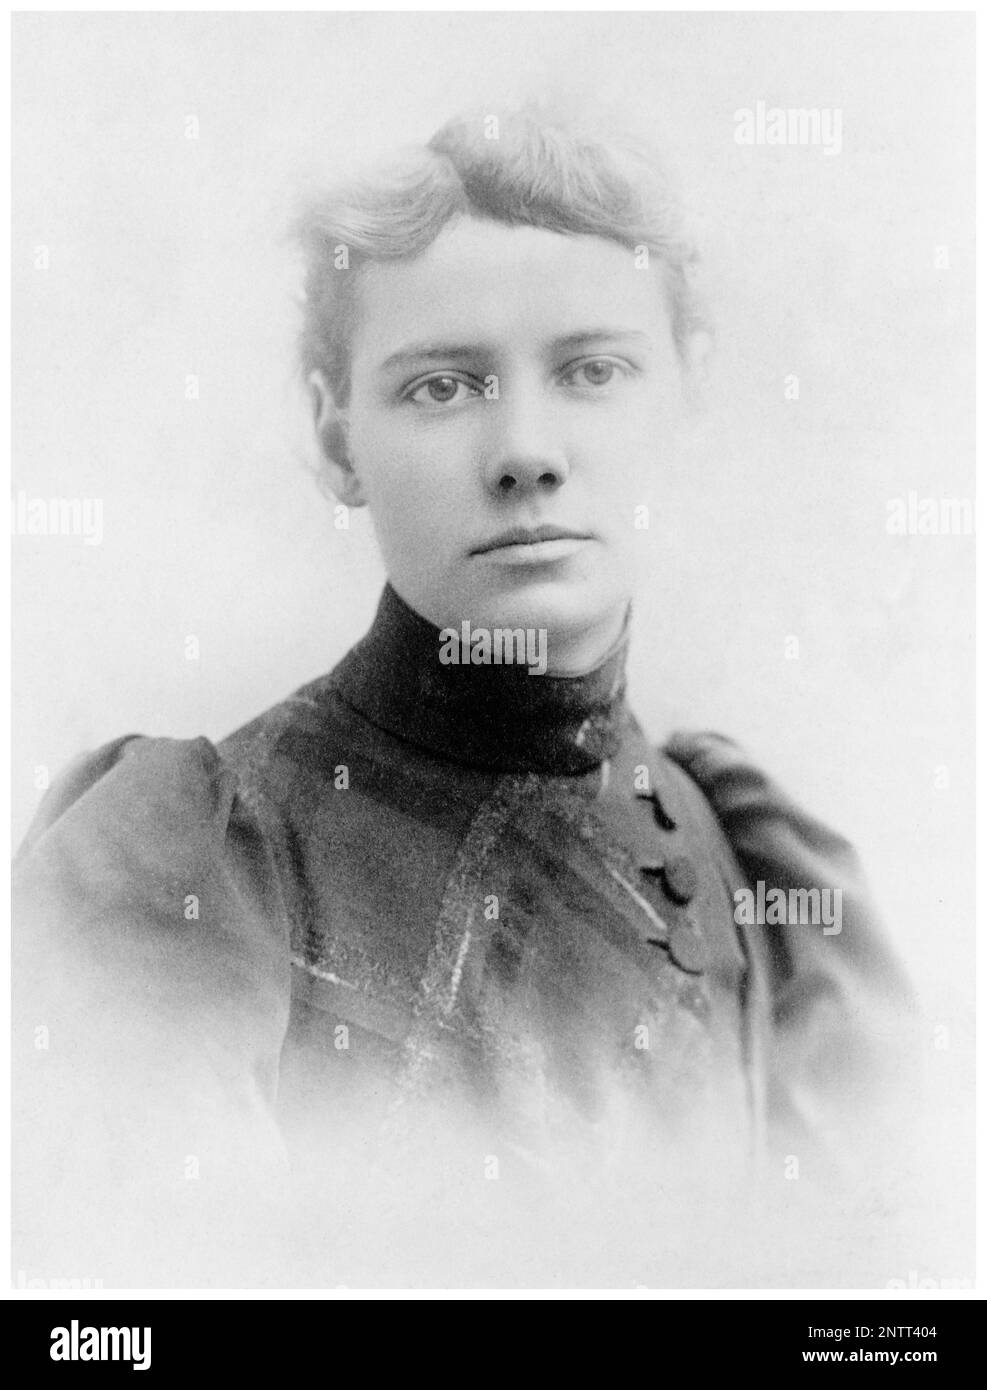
(138,777)
(705,755)
(137,843)
(782,846)
(758,815)
(197,782)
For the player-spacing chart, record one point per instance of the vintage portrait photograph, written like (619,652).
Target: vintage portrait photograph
(492,773)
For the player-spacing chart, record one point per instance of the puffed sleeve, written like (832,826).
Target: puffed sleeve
(840,1018)
(151,985)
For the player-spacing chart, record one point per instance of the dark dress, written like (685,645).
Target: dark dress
(425,959)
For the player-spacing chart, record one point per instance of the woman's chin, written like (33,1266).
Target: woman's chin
(568,616)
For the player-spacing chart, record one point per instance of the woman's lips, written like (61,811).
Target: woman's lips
(539,552)
(531,544)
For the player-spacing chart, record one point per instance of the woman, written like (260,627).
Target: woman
(411,979)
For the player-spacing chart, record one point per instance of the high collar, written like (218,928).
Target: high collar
(496,717)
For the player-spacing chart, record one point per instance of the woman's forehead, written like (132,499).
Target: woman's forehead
(484,283)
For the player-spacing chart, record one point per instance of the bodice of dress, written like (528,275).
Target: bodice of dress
(417,923)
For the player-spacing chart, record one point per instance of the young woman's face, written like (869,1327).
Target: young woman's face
(511,379)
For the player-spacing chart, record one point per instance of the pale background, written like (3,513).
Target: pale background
(167,259)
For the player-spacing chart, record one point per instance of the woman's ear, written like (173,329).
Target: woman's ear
(331,426)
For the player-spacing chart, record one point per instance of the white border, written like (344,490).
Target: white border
(496,1295)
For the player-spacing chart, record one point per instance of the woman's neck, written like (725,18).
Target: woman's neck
(478,711)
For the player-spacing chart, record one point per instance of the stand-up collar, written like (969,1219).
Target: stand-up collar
(497,716)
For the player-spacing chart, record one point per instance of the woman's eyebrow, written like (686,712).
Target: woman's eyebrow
(606,334)
(430,351)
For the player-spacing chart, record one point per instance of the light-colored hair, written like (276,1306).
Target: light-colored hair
(522,168)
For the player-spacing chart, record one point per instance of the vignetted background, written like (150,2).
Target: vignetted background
(157,160)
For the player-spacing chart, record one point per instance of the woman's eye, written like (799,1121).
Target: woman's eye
(442,390)
(599,372)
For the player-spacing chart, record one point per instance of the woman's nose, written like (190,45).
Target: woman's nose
(525,448)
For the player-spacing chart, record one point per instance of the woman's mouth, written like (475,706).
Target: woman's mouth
(532,545)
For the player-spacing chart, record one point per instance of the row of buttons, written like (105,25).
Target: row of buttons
(680,882)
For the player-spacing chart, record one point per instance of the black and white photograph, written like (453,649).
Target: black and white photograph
(493,689)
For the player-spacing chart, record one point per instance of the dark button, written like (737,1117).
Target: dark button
(652,867)
(686,950)
(680,878)
(661,813)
